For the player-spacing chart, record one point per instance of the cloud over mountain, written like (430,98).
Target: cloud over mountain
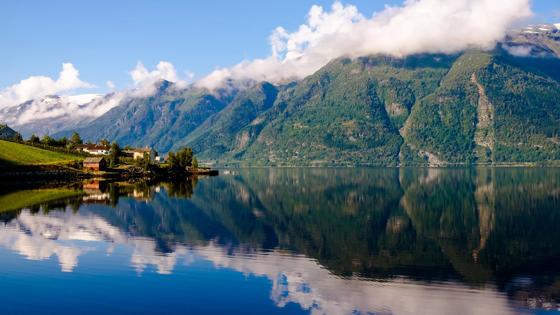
(43,105)
(144,80)
(417,26)
(39,86)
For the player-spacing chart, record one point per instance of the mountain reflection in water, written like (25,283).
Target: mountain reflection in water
(333,241)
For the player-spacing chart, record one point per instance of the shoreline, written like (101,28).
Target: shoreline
(38,173)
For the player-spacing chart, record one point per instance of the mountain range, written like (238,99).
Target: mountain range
(498,106)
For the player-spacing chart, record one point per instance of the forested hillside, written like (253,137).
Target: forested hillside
(469,108)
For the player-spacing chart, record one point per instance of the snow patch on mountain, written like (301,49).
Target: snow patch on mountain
(52,113)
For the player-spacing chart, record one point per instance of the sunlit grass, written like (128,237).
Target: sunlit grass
(21,154)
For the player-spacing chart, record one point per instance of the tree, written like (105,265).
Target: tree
(115,153)
(48,140)
(75,139)
(180,160)
(194,162)
(18,137)
(34,139)
(62,142)
(145,161)
(104,142)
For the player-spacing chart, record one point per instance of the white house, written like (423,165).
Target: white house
(94,149)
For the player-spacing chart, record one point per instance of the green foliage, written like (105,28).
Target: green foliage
(114,154)
(18,137)
(34,139)
(144,162)
(48,140)
(527,125)
(180,160)
(75,139)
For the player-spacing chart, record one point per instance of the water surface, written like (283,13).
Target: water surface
(288,241)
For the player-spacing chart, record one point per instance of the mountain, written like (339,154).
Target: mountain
(535,40)
(159,120)
(7,133)
(475,107)
(53,113)
(431,109)
(230,130)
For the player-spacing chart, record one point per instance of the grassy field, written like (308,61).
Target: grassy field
(28,198)
(19,154)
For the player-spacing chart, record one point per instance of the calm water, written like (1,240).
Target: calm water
(289,241)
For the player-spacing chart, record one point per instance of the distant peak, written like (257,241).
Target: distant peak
(164,84)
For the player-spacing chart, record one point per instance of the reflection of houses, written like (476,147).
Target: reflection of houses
(95,163)
(94,149)
(94,192)
(139,153)
(140,194)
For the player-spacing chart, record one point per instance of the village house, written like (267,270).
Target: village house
(94,149)
(138,153)
(95,163)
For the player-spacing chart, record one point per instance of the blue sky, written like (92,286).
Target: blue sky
(105,39)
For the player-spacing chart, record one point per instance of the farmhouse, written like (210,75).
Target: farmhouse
(95,163)
(138,153)
(94,149)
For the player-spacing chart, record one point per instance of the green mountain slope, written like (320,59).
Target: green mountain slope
(348,112)
(157,121)
(431,109)
(228,132)
(488,108)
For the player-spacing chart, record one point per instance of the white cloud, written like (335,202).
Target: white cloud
(518,51)
(190,75)
(164,71)
(39,86)
(46,115)
(145,80)
(294,278)
(417,26)
(111,85)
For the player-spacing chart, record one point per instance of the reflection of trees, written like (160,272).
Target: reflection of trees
(184,188)
(424,223)
(476,224)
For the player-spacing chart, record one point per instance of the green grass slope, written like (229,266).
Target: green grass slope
(12,153)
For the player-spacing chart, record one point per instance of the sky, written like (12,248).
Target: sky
(105,40)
